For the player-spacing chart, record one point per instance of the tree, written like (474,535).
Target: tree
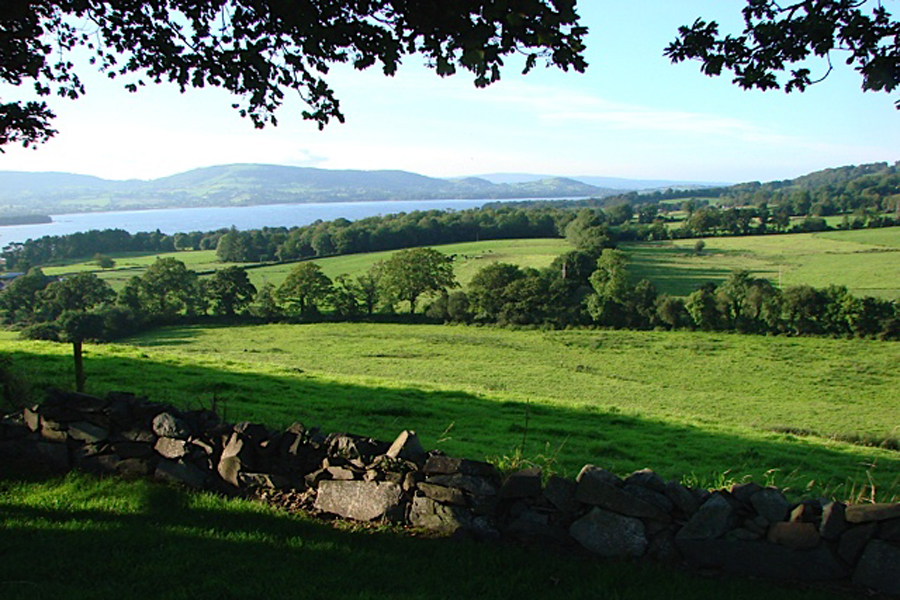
(104,262)
(776,37)
(166,288)
(408,274)
(20,298)
(230,291)
(77,293)
(233,247)
(258,49)
(304,287)
(488,289)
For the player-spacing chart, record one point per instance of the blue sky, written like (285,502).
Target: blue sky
(632,114)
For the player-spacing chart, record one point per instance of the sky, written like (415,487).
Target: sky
(632,114)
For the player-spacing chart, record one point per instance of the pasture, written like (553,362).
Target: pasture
(709,408)
(867,261)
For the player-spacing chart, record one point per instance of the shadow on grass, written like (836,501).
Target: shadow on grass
(560,438)
(89,538)
(666,266)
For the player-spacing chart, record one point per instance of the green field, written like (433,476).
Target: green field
(706,407)
(867,261)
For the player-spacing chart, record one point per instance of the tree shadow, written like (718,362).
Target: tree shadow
(558,438)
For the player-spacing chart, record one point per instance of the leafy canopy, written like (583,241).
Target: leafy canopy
(777,38)
(259,49)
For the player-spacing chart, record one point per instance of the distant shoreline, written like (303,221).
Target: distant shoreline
(25,220)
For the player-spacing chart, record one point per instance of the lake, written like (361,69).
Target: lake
(174,220)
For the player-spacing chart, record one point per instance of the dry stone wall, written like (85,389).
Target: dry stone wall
(746,530)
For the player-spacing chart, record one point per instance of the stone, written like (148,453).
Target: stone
(262,480)
(648,479)
(168,425)
(560,492)
(237,455)
(442,494)
(32,418)
(86,432)
(867,513)
(711,521)
(354,446)
(144,436)
(171,448)
(833,522)
(407,447)
(474,485)
(359,500)
(54,432)
(854,541)
(650,497)
(428,514)
(743,491)
(592,473)
(806,512)
(525,483)
(132,449)
(341,473)
(662,548)
(682,498)
(794,535)
(771,504)
(438,464)
(178,471)
(596,491)
(762,559)
(251,431)
(53,455)
(890,531)
(879,567)
(609,534)
(133,467)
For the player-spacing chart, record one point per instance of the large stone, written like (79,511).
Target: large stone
(762,559)
(682,498)
(86,432)
(438,464)
(171,448)
(796,536)
(359,500)
(168,425)
(595,490)
(854,541)
(179,471)
(428,514)
(592,473)
(743,491)
(648,479)
(711,521)
(890,531)
(522,484)
(867,513)
(879,567)
(560,492)
(609,534)
(647,495)
(354,446)
(132,449)
(834,524)
(237,455)
(771,504)
(52,431)
(444,495)
(407,447)
(474,485)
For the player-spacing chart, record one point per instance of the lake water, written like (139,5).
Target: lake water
(174,220)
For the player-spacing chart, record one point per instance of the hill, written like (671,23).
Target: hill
(253,184)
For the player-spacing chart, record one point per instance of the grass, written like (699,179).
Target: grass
(684,404)
(470,257)
(80,537)
(866,261)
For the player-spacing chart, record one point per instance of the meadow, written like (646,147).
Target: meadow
(867,261)
(704,408)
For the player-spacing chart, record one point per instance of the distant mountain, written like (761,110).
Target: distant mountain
(616,183)
(252,184)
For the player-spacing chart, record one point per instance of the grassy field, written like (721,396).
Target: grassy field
(706,407)
(866,261)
